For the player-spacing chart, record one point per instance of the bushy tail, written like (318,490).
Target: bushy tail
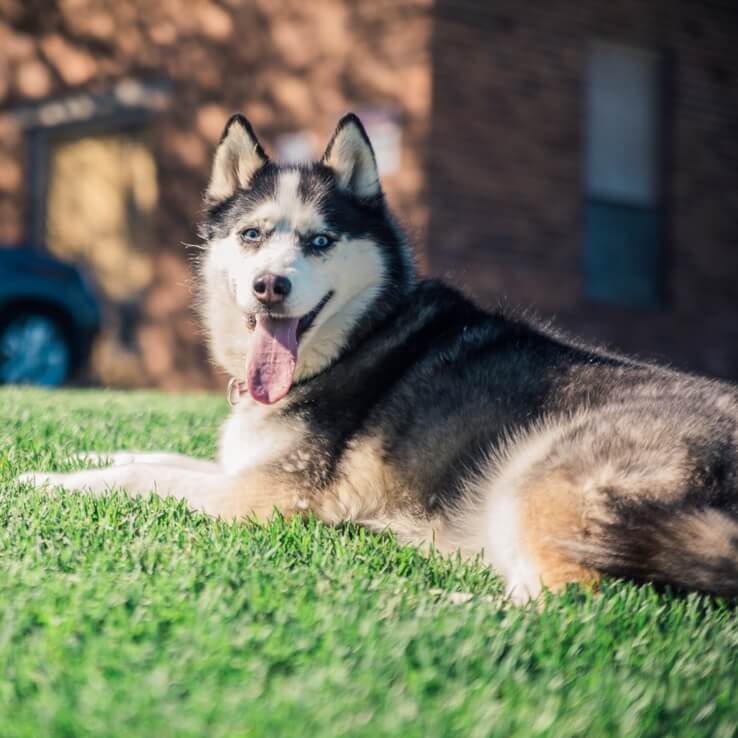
(689,550)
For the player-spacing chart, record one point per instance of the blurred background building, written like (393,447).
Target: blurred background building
(580,156)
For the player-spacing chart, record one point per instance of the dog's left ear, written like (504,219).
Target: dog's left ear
(238,157)
(351,157)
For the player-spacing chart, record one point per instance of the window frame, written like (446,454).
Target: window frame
(127,104)
(39,141)
(665,167)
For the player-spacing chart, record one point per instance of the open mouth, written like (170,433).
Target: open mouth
(306,321)
(273,355)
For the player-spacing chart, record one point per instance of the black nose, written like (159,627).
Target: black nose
(271,289)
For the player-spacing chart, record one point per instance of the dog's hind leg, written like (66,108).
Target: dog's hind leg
(554,512)
(527,528)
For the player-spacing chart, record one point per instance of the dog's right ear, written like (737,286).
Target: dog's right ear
(238,157)
(350,155)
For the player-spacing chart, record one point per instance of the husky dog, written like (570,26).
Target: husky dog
(361,393)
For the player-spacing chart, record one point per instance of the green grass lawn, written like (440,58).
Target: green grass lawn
(127,617)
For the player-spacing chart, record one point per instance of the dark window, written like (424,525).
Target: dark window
(624,234)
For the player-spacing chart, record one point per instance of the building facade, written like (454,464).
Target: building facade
(581,158)
(584,160)
(111,112)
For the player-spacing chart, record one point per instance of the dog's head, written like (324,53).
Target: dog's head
(297,256)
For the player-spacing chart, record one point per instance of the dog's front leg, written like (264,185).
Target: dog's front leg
(161,458)
(252,493)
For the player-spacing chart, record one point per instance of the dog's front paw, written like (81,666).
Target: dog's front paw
(90,481)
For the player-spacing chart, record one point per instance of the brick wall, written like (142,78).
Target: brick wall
(491,100)
(506,164)
(292,66)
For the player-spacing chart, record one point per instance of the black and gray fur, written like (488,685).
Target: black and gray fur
(471,429)
(446,384)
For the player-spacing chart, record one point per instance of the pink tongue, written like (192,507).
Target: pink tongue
(273,356)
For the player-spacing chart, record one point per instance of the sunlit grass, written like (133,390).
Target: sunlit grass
(127,617)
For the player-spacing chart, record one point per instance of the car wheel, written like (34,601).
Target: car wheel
(34,349)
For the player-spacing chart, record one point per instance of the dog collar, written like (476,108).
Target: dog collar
(234,391)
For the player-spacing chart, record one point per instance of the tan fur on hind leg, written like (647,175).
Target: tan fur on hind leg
(554,512)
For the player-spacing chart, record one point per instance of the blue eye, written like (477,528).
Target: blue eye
(251,234)
(321,241)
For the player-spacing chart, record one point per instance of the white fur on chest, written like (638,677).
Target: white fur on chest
(253,435)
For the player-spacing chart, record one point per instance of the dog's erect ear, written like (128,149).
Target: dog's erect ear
(351,157)
(238,156)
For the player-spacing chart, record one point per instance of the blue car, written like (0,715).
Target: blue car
(48,318)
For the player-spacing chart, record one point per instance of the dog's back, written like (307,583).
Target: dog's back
(560,462)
